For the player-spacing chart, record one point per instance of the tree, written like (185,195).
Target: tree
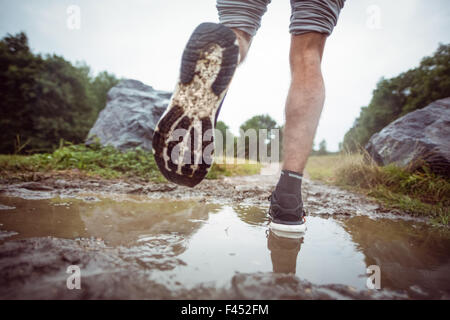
(393,98)
(18,72)
(100,87)
(322,148)
(258,123)
(45,99)
(222,127)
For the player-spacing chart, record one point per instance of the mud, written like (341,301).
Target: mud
(320,199)
(134,240)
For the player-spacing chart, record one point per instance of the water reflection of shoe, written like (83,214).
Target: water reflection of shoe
(283,252)
(208,64)
(287,215)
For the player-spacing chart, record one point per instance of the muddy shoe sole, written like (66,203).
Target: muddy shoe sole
(183,142)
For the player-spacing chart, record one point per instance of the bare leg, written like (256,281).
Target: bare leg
(305,99)
(244,40)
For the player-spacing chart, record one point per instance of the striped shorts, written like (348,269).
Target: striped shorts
(306,16)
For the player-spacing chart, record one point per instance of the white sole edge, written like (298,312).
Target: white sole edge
(288,231)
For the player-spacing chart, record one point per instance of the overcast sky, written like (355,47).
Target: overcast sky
(144,40)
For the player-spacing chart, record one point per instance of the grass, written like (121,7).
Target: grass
(416,192)
(104,162)
(230,167)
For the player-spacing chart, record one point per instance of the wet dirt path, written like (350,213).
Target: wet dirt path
(131,239)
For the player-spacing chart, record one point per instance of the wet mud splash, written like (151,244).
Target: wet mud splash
(138,246)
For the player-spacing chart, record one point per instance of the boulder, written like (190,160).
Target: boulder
(418,137)
(130,116)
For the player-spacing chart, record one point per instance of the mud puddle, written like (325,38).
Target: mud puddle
(136,247)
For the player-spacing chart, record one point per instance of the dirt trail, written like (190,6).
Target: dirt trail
(134,239)
(319,199)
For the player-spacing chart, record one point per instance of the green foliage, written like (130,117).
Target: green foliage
(45,99)
(424,186)
(257,123)
(232,169)
(100,86)
(322,149)
(417,192)
(105,162)
(222,127)
(395,97)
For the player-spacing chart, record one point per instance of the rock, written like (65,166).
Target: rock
(37,269)
(130,116)
(418,137)
(36,186)
(280,286)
